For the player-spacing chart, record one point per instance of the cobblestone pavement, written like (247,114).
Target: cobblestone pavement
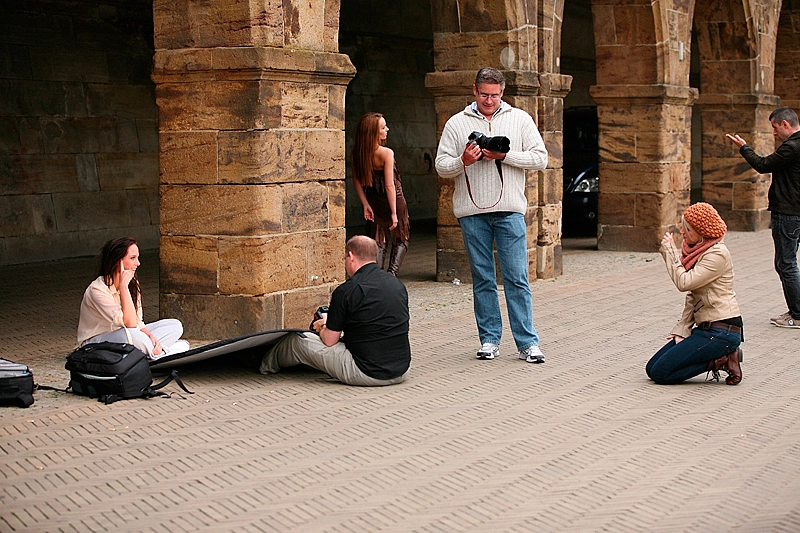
(583,443)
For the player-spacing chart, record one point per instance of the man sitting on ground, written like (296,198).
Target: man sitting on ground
(371,308)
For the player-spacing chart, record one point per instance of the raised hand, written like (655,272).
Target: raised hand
(735,139)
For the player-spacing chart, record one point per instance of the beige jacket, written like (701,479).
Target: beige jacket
(709,286)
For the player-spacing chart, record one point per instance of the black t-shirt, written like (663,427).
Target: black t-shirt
(372,309)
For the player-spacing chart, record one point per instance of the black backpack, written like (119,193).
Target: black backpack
(111,371)
(16,384)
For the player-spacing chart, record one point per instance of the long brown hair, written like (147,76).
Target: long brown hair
(364,147)
(112,253)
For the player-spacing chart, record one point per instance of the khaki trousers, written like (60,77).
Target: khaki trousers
(336,360)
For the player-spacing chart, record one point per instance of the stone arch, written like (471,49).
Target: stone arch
(736,45)
(644,116)
(468,35)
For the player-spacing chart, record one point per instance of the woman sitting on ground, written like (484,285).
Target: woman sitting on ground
(111,309)
(707,337)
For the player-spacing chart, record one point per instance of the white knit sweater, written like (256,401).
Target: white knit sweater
(527,152)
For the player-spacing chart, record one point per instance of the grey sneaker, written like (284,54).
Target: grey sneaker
(488,351)
(786,322)
(784,316)
(532,355)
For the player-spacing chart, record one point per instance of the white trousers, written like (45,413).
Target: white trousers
(168,331)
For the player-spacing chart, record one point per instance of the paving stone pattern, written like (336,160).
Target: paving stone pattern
(583,443)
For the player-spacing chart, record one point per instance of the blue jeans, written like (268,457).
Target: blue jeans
(507,230)
(785,237)
(675,363)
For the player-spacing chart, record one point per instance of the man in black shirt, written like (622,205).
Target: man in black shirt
(784,203)
(363,340)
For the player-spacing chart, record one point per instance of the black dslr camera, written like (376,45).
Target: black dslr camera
(319,313)
(500,144)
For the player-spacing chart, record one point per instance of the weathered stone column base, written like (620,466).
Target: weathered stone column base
(216,316)
(645,175)
(630,238)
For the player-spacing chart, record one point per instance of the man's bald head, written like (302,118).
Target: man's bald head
(362,249)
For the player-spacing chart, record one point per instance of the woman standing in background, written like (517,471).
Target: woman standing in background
(377,183)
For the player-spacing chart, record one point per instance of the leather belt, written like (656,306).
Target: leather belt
(720,325)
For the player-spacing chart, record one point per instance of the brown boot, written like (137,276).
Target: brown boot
(380,234)
(734,369)
(381,255)
(398,252)
(715,365)
(730,364)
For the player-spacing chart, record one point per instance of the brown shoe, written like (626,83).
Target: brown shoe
(784,316)
(734,369)
(785,321)
(730,364)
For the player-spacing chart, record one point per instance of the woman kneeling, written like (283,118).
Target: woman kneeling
(707,337)
(111,310)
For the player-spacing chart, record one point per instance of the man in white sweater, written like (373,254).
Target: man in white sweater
(490,204)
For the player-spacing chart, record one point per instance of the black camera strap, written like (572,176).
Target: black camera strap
(502,186)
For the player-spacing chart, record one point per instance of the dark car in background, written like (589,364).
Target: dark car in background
(579,203)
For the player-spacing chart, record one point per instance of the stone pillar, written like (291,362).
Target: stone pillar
(731,185)
(645,159)
(737,70)
(644,118)
(550,182)
(452,92)
(252,162)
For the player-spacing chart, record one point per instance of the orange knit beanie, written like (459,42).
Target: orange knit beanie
(705,220)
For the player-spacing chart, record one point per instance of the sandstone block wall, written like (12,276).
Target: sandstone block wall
(78,128)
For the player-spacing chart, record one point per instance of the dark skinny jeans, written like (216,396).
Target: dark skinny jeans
(785,237)
(675,363)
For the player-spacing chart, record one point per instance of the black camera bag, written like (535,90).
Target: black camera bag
(111,371)
(16,384)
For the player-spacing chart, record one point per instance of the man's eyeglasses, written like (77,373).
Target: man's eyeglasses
(492,96)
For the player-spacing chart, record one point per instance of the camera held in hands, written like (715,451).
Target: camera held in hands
(321,312)
(500,144)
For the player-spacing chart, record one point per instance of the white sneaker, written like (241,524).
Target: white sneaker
(180,346)
(532,354)
(488,351)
